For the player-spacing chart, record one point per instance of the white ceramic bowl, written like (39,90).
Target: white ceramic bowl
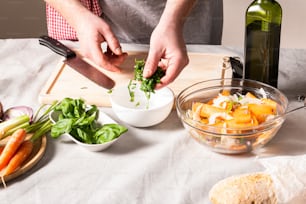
(103,119)
(142,112)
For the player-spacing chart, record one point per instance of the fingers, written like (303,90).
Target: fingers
(97,32)
(112,42)
(107,60)
(151,64)
(172,62)
(110,63)
(173,69)
(114,59)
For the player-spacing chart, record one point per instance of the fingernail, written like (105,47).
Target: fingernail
(118,51)
(146,73)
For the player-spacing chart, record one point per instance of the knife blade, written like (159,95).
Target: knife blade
(77,63)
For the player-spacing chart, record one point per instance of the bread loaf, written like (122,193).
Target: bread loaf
(255,188)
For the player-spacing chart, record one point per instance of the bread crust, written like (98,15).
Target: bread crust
(254,188)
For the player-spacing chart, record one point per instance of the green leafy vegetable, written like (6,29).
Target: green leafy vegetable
(147,84)
(80,121)
(131,88)
(108,132)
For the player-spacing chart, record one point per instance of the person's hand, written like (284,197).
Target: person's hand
(167,50)
(92,31)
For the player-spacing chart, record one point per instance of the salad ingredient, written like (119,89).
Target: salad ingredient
(21,117)
(1,111)
(16,111)
(11,147)
(1,149)
(41,123)
(234,122)
(19,157)
(11,125)
(131,87)
(16,157)
(234,111)
(147,84)
(80,121)
(108,132)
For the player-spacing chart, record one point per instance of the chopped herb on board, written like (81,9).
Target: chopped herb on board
(147,84)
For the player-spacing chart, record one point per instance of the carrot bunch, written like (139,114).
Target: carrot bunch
(18,148)
(14,153)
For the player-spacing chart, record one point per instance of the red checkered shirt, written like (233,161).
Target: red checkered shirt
(58,27)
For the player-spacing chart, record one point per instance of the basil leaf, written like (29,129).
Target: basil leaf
(109,132)
(62,126)
(81,122)
(84,136)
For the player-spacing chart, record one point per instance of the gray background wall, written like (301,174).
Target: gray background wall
(22,18)
(26,18)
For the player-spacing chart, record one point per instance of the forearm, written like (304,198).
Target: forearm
(176,12)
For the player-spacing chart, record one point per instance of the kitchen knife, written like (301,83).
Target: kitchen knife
(77,63)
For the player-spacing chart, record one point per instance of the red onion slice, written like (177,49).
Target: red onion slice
(18,111)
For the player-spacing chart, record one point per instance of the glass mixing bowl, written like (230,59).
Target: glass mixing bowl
(225,139)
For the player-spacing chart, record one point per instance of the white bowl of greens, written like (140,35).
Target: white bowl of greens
(84,124)
(142,111)
(139,104)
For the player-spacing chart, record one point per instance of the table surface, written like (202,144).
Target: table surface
(160,164)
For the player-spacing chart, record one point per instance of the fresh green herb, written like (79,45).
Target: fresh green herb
(147,84)
(80,121)
(131,88)
(108,132)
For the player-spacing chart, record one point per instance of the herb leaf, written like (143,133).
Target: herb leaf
(80,121)
(147,84)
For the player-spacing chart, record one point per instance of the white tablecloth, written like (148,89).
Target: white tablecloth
(161,164)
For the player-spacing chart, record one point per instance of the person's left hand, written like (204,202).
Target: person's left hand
(167,50)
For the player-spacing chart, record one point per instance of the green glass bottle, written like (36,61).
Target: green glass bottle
(262,41)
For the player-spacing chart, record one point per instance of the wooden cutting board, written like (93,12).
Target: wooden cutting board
(66,82)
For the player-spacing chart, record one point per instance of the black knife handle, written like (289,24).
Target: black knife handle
(56,46)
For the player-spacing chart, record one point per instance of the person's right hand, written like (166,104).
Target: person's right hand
(92,31)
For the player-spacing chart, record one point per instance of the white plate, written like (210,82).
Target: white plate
(102,119)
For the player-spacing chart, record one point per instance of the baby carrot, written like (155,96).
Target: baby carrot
(11,147)
(1,149)
(20,156)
